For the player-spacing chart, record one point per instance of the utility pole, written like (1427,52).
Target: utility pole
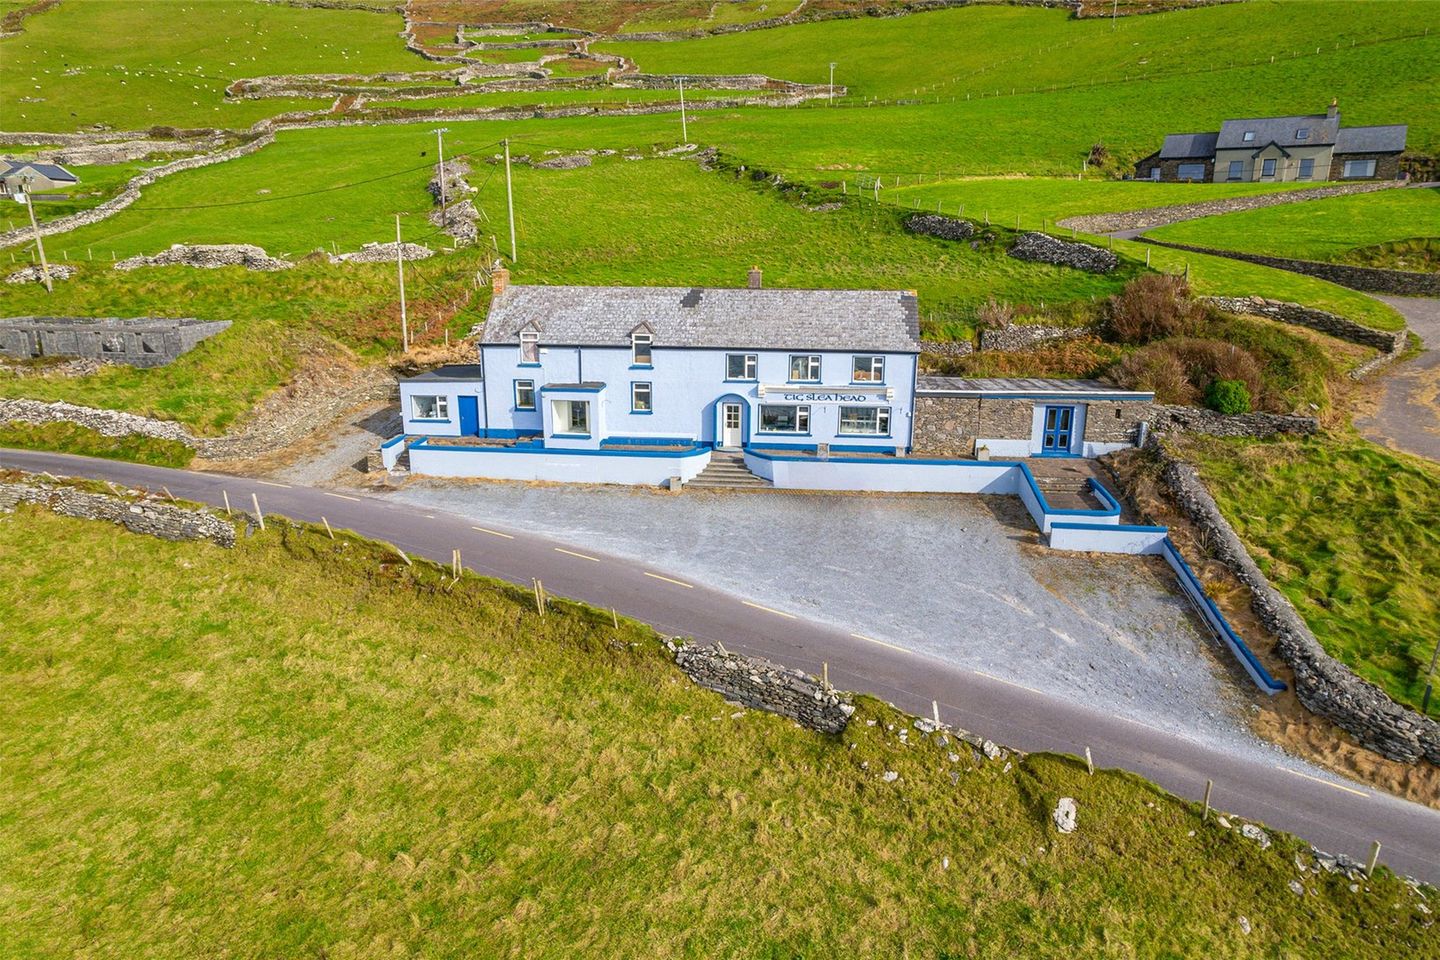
(684,127)
(39,244)
(832,84)
(440,148)
(400,270)
(510,200)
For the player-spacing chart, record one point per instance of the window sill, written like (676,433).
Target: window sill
(868,436)
(750,380)
(771,433)
(641,413)
(529,363)
(429,420)
(642,366)
(867,383)
(804,383)
(570,436)
(524,409)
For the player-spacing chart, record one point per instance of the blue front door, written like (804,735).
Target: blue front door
(469,416)
(1059,423)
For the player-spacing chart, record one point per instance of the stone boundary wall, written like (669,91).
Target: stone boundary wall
(1042,248)
(763,685)
(109,423)
(147,515)
(1180,419)
(1390,343)
(947,348)
(1324,685)
(939,225)
(131,193)
(1161,216)
(1365,279)
(139,342)
(1021,336)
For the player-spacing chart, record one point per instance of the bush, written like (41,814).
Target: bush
(995,315)
(1151,307)
(1228,396)
(1176,369)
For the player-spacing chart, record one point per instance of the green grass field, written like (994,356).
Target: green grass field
(263,752)
(1326,229)
(88,443)
(1346,530)
(133,64)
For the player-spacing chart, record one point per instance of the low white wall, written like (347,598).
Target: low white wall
(889,476)
(556,465)
(1106,538)
(390,451)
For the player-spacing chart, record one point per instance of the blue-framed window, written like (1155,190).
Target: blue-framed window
(641,397)
(524,394)
(426,407)
(784,418)
(804,368)
(865,421)
(742,366)
(868,369)
(642,349)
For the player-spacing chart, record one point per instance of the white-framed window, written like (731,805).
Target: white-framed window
(873,421)
(1248,136)
(784,418)
(868,370)
(742,366)
(1191,171)
(429,408)
(1302,134)
(524,394)
(1307,168)
(1237,170)
(640,394)
(1267,167)
(1154,173)
(1358,168)
(805,368)
(529,346)
(642,352)
(571,416)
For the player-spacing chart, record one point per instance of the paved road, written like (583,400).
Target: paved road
(1332,813)
(1408,417)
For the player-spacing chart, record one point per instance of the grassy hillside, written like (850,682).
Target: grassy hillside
(1318,230)
(1346,530)
(261,751)
(132,64)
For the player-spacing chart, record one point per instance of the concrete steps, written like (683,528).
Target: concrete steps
(727,471)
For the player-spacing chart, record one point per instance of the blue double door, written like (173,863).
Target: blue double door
(469,416)
(1059,429)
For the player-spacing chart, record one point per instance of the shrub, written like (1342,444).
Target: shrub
(1228,396)
(997,315)
(1152,306)
(1176,369)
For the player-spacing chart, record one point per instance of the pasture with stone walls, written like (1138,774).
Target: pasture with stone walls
(1161,216)
(1390,343)
(1324,685)
(1367,279)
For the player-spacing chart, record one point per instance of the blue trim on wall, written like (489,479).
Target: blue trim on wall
(392,441)
(1110,527)
(536,447)
(432,420)
(649,441)
(548,388)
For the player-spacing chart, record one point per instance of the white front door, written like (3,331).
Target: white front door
(730,419)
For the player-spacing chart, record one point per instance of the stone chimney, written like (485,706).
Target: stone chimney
(499,280)
(754,280)
(1334,109)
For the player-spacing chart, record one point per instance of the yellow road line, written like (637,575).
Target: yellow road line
(678,583)
(267,483)
(778,613)
(991,676)
(339,496)
(1358,793)
(861,636)
(574,554)
(493,533)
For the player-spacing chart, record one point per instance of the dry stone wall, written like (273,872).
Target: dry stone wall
(1176,419)
(763,685)
(1390,343)
(1367,279)
(209,256)
(1027,335)
(138,514)
(936,225)
(1323,684)
(139,342)
(1043,248)
(1160,216)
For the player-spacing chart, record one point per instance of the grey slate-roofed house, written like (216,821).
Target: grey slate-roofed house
(1312,147)
(18,176)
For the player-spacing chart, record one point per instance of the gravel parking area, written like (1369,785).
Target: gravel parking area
(965,579)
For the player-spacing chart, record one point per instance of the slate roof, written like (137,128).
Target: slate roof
(52,171)
(1183,146)
(1280,130)
(449,373)
(1385,139)
(771,319)
(1038,387)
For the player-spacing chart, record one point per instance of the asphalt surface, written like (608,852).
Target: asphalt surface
(1330,812)
(1408,417)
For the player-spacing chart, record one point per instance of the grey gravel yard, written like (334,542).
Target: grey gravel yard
(964,579)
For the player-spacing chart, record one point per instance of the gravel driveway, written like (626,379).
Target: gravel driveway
(964,579)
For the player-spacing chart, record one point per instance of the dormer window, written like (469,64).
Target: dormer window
(642,348)
(1249,136)
(529,346)
(1302,134)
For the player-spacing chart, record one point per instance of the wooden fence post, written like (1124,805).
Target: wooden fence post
(258,515)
